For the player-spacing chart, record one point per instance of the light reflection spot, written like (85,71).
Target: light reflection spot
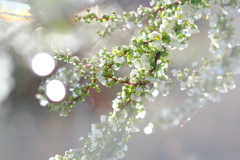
(43,64)
(55,90)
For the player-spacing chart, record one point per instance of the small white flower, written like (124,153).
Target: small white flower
(149,97)
(101,78)
(155,93)
(96,132)
(145,62)
(141,114)
(125,148)
(133,47)
(166,26)
(123,116)
(103,118)
(120,154)
(139,89)
(115,104)
(118,59)
(230,12)
(112,124)
(156,36)
(188,10)
(161,87)
(102,144)
(137,64)
(198,14)
(213,19)
(207,11)
(135,97)
(174,72)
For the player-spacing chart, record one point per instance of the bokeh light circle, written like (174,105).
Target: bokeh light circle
(61,42)
(149,128)
(55,90)
(40,38)
(43,64)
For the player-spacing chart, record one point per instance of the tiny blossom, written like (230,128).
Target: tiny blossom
(123,116)
(188,10)
(133,47)
(118,59)
(125,148)
(102,144)
(103,118)
(74,95)
(141,114)
(174,72)
(120,154)
(101,78)
(166,26)
(155,84)
(112,123)
(149,97)
(137,64)
(145,62)
(161,86)
(135,97)
(230,12)
(182,85)
(139,89)
(207,11)
(213,19)
(115,104)
(96,132)
(155,36)
(155,93)
(132,128)
(168,1)
(180,17)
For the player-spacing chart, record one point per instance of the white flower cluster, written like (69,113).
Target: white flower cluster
(178,25)
(217,75)
(171,25)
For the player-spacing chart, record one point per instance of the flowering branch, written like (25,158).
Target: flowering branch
(169,27)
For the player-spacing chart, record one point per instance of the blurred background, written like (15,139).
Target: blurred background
(30,29)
